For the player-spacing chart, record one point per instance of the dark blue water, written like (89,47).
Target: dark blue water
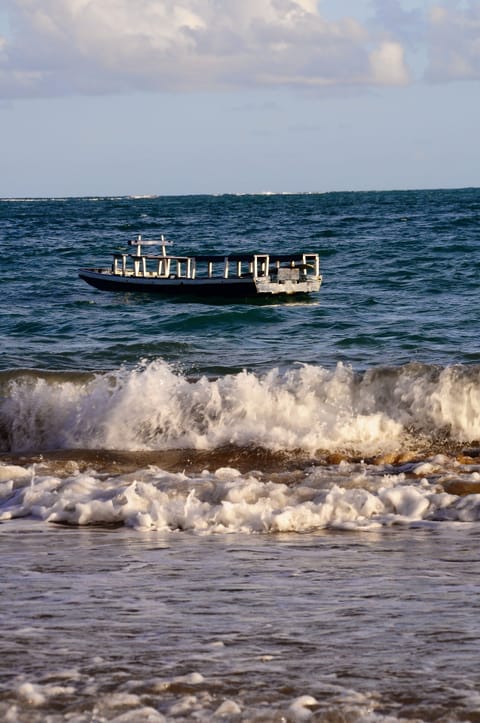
(400,281)
(250,511)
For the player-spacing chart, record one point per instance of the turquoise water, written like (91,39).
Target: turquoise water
(255,511)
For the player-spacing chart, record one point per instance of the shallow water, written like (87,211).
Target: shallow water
(109,623)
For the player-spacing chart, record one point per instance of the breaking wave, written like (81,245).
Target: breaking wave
(307,407)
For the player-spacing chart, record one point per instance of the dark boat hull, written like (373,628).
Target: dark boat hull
(231,287)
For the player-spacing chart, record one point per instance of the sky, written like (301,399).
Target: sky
(134,97)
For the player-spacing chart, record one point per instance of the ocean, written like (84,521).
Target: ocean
(266,510)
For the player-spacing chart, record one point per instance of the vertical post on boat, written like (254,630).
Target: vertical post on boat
(225,270)
(239,268)
(260,265)
(210,269)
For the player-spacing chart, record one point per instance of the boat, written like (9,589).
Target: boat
(236,274)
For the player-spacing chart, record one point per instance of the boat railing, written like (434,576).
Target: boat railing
(144,265)
(274,268)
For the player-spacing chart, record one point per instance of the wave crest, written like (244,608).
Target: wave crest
(154,407)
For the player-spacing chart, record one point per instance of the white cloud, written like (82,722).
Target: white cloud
(388,64)
(58,47)
(454,42)
(442,37)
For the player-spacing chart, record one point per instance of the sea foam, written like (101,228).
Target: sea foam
(155,407)
(344,496)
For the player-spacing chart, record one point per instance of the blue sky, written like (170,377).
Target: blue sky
(121,97)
